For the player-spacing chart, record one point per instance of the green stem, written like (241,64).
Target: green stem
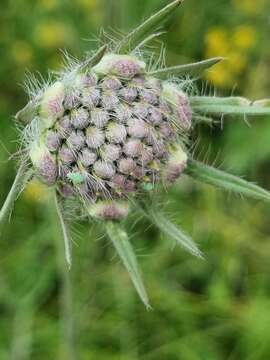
(20,180)
(66,303)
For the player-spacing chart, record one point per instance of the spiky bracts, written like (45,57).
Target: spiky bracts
(110,129)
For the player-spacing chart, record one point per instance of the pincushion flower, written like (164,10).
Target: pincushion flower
(110,131)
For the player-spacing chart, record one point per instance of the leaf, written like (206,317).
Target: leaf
(191,69)
(65,231)
(124,249)
(130,41)
(228,106)
(172,231)
(22,176)
(27,114)
(210,175)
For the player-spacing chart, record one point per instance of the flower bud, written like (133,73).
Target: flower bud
(87,157)
(137,128)
(133,147)
(179,102)
(76,140)
(99,117)
(110,152)
(128,93)
(124,66)
(109,100)
(116,133)
(90,97)
(53,140)
(66,155)
(44,162)
(176,164)
(111,83)
(80,118)
(94,137)
(86,80)
(109,210)
(103,169)
(127,165)
(51,106)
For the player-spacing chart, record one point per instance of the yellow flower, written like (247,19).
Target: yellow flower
(237,62)
(250,7)
(244,37)
(48,4)
(22,52)
(52,34)
(217,41)
(220,75)
(35,191)
(87,4)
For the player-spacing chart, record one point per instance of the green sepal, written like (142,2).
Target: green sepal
(120,240)
(228,106)
(65,230)
(221,179)
(22,177)
(95,58)
(167,227)
(194,69)
(27,114)
(130,41)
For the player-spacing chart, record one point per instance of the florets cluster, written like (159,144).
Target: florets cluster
(110,131)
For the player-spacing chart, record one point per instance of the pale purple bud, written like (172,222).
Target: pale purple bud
(137,128)
(64,126)
(159,149)
(72,99)
(138,172)
(127,165)
(44,162)
(76,140)
(146,155)
(86,80)
(66,155)
(110,152)
(130,186)
(166,130)
(80,118)
(118,182)
(109,210)
(140,110)
(122,113)
(149,96)
(90,97)
(133,147)
(66,190)
(103,169)
(116,133)
(109,100)
(124,66)
(51,106)
(111,83)
(152,136)
(63,170)
(99,117)
(94,137)
(155,116)
(128,93)
(53,141)
(180,104)
(87,157)
(175,165)
(138,81)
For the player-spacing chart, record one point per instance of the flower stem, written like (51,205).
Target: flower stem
(66,301)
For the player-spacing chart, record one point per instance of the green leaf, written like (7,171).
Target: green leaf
(210,175)
(193,69)
(228,106)
(130,41)
(22,176)
(167,227)
(124,249)
(65,231)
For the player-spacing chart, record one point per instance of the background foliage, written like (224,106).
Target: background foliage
(213,309)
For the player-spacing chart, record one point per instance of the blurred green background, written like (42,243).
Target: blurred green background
(213,309)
